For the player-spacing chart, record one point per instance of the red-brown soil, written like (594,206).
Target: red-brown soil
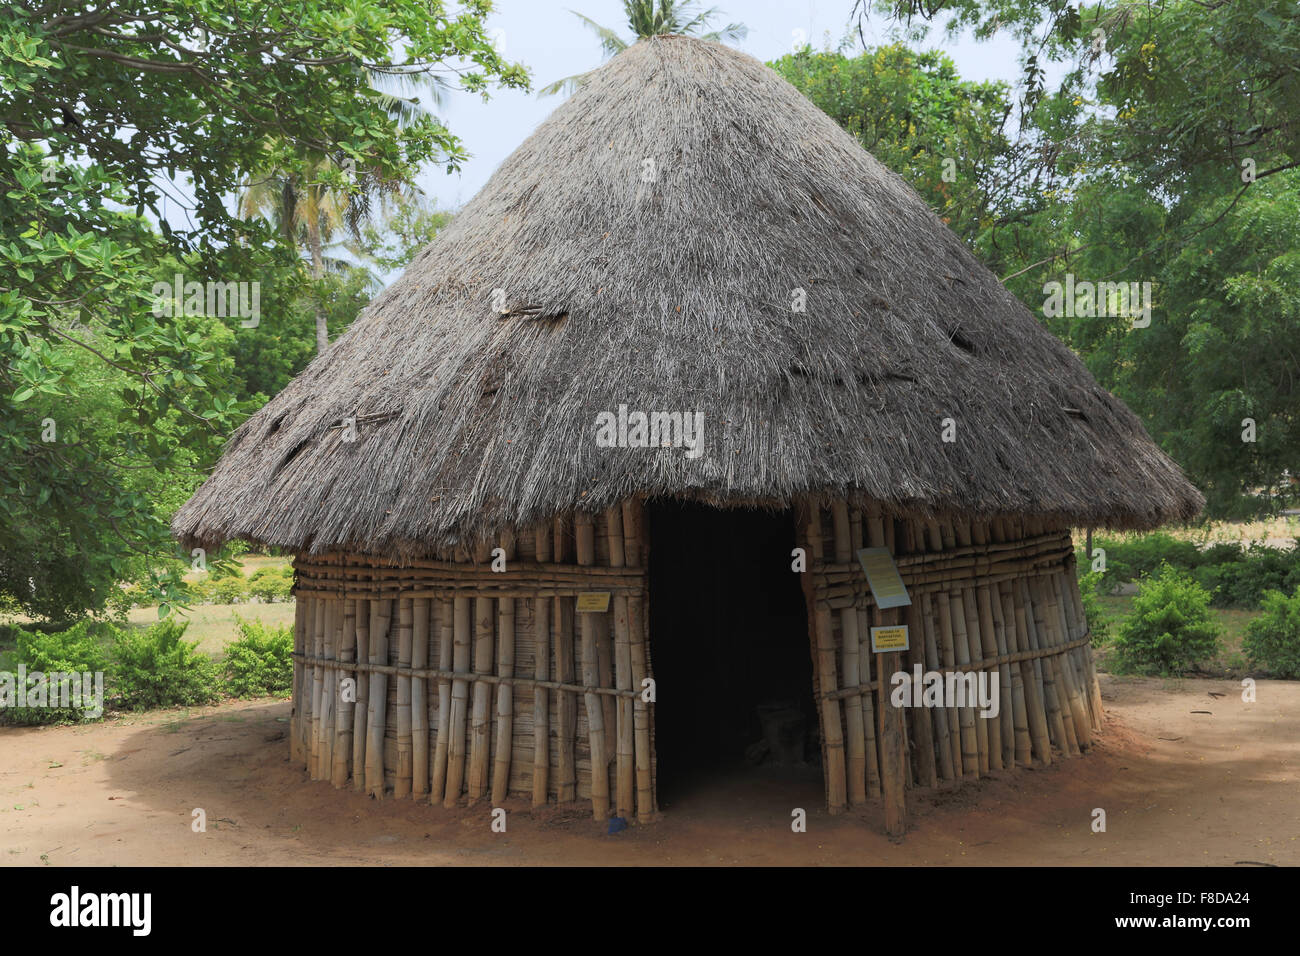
(1179,788)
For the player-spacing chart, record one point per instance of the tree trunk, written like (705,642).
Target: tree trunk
(317,272)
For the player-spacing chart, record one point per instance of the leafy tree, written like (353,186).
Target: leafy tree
(269,356)
(1168,156)
(129,114)
(315,201)
(912,111)
(409,224)
(647,19)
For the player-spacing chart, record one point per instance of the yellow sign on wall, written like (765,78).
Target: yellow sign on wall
(594,602)
(892,637)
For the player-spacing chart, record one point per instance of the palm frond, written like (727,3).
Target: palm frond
(567,85)
(610,42)
(731,32)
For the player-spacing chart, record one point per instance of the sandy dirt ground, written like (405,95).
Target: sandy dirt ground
(1179,787)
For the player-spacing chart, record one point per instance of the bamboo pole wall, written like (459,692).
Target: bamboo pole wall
(996,599)
(451,680)
(447,680)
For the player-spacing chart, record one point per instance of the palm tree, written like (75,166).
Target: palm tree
(648,19)
(312,211)
(310,201)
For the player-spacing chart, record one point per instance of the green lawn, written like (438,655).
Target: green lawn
(250,564)
(214,625)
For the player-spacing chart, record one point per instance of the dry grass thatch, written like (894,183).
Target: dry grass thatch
(676,294)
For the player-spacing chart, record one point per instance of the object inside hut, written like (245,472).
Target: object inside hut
(729,645)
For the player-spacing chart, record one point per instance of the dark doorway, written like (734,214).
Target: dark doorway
(729,647)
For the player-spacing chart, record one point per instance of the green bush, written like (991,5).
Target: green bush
(1272,640)
(79,649)
(1236,577)
(1138,557)
(228,590)
(1098,619)
(260,662)
(272,584)
(157,668)
(1241,581)
(1170,630)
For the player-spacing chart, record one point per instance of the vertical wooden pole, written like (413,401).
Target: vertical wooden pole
(605,637)
(505,734)
(893,755)
(958,727)
(381,615)
(634,547)
(420,698)
(442,620)
(927,771)
(462,628)
(584,537)
(970,752)
(943,750)
(361,712)
(1015,743)
(920,742)
(480,723)
(405,722)
(819,627)
(325,771)
(595,720)
(620,720)
(542,671)
(850,651)
(1090,665)
(299,648)
(1044,621)
(1055,719)
(1082,721)
(317,683)
(345,706)
(989,652)
(625,802)
(1035,702)
(1013,714)
(862,627)
(566,704)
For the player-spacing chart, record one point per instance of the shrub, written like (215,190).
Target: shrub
(272,584)
(1170,630)
(1098,619)
(260,662)
(1138,557)
(1272,640)
(1241,581)
(157,668)
(228,590)
(79,649)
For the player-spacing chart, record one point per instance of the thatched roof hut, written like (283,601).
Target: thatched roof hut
(687,235)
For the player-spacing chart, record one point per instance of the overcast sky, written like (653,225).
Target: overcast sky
(553,43)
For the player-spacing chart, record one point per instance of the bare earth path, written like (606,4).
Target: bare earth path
(1179,788)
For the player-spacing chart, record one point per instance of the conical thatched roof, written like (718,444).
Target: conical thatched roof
(649,239)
